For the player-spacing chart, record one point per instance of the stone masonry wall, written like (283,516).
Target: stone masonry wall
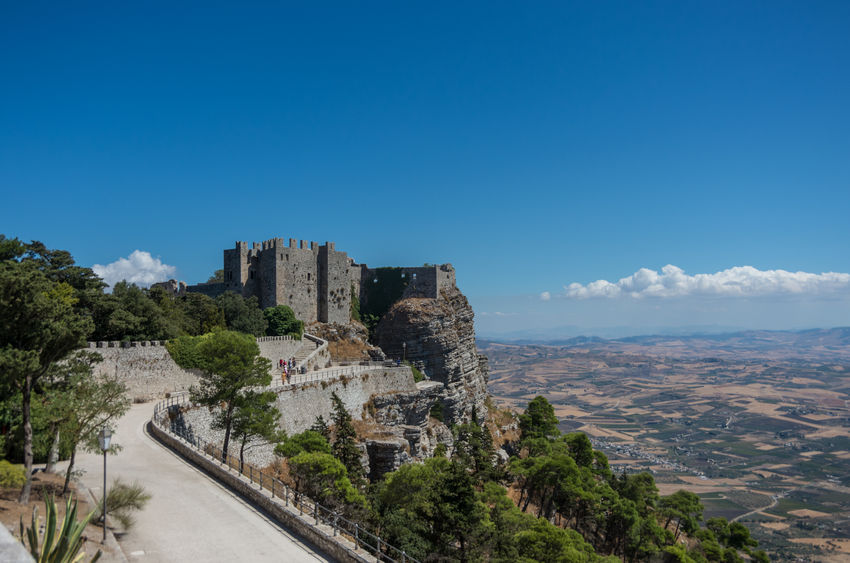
(278,347)
(149,372)
(301,405)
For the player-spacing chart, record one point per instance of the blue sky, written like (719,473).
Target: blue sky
(533,147)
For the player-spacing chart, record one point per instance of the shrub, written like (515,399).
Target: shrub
(417,375)
(12,475)
(60,542)
(122,500)
(437,411)
(282,322)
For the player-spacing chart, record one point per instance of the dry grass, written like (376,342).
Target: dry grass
(841,545)
(806,513)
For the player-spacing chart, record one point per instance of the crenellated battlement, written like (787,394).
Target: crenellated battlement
(313,279)
(125,343)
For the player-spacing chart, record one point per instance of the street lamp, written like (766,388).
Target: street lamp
(103,437)
(404,351)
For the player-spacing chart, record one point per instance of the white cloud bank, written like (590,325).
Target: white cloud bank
(139,268)
(740,281)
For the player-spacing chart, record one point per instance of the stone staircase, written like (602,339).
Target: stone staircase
(307,348)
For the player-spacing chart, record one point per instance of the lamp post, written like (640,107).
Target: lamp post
(103,437)
(404,351)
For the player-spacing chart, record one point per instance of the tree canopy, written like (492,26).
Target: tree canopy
(282,321)
(230,363)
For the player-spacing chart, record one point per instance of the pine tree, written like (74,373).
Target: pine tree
(344,447)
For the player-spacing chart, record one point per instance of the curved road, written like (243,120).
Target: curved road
(190,517)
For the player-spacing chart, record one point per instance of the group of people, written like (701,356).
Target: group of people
(287,367)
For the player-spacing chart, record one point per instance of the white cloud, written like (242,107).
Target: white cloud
(139,268)
(545,296)
(740,281)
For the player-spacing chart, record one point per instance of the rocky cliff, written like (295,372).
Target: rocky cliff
(438,335)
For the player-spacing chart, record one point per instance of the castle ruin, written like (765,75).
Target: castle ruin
(315,281)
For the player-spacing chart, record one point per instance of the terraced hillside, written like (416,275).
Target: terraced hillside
(759,428)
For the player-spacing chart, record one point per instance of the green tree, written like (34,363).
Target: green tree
(282,322)
(308,441)
(85,404)
(217,277)
(683,507)
(323,478)
(242,315)
(255,418)
(545,542)
(230,364)
(432,510)
(321,426)
(202,314)
(39,326)
(474,450)
(129,314)
(538,420)
(345,441)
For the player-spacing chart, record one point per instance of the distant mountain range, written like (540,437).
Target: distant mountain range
(829,344)
(564,332)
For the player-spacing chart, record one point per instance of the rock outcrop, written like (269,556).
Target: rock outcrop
(438,335)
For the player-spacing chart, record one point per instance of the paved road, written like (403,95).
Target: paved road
(189,517)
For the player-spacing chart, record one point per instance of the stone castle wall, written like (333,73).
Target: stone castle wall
(314,280)
(149,372)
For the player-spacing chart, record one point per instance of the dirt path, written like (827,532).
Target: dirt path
(768,507)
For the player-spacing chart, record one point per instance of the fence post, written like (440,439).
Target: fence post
(286,495)
(300,502)
(250,472)
(316,512)
(273,480)
(261,480)
(356,536)
(336,517)
(403,557)
(379,548)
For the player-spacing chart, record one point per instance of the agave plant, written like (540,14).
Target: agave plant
(61,547)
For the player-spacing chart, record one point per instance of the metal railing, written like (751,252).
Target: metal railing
(322,375)
(360,536)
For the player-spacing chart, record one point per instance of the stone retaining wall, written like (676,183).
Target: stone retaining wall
(149,372)
(300,405)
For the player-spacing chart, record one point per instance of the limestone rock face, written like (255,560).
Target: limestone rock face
(407,408)
(439,336)
(386,455)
